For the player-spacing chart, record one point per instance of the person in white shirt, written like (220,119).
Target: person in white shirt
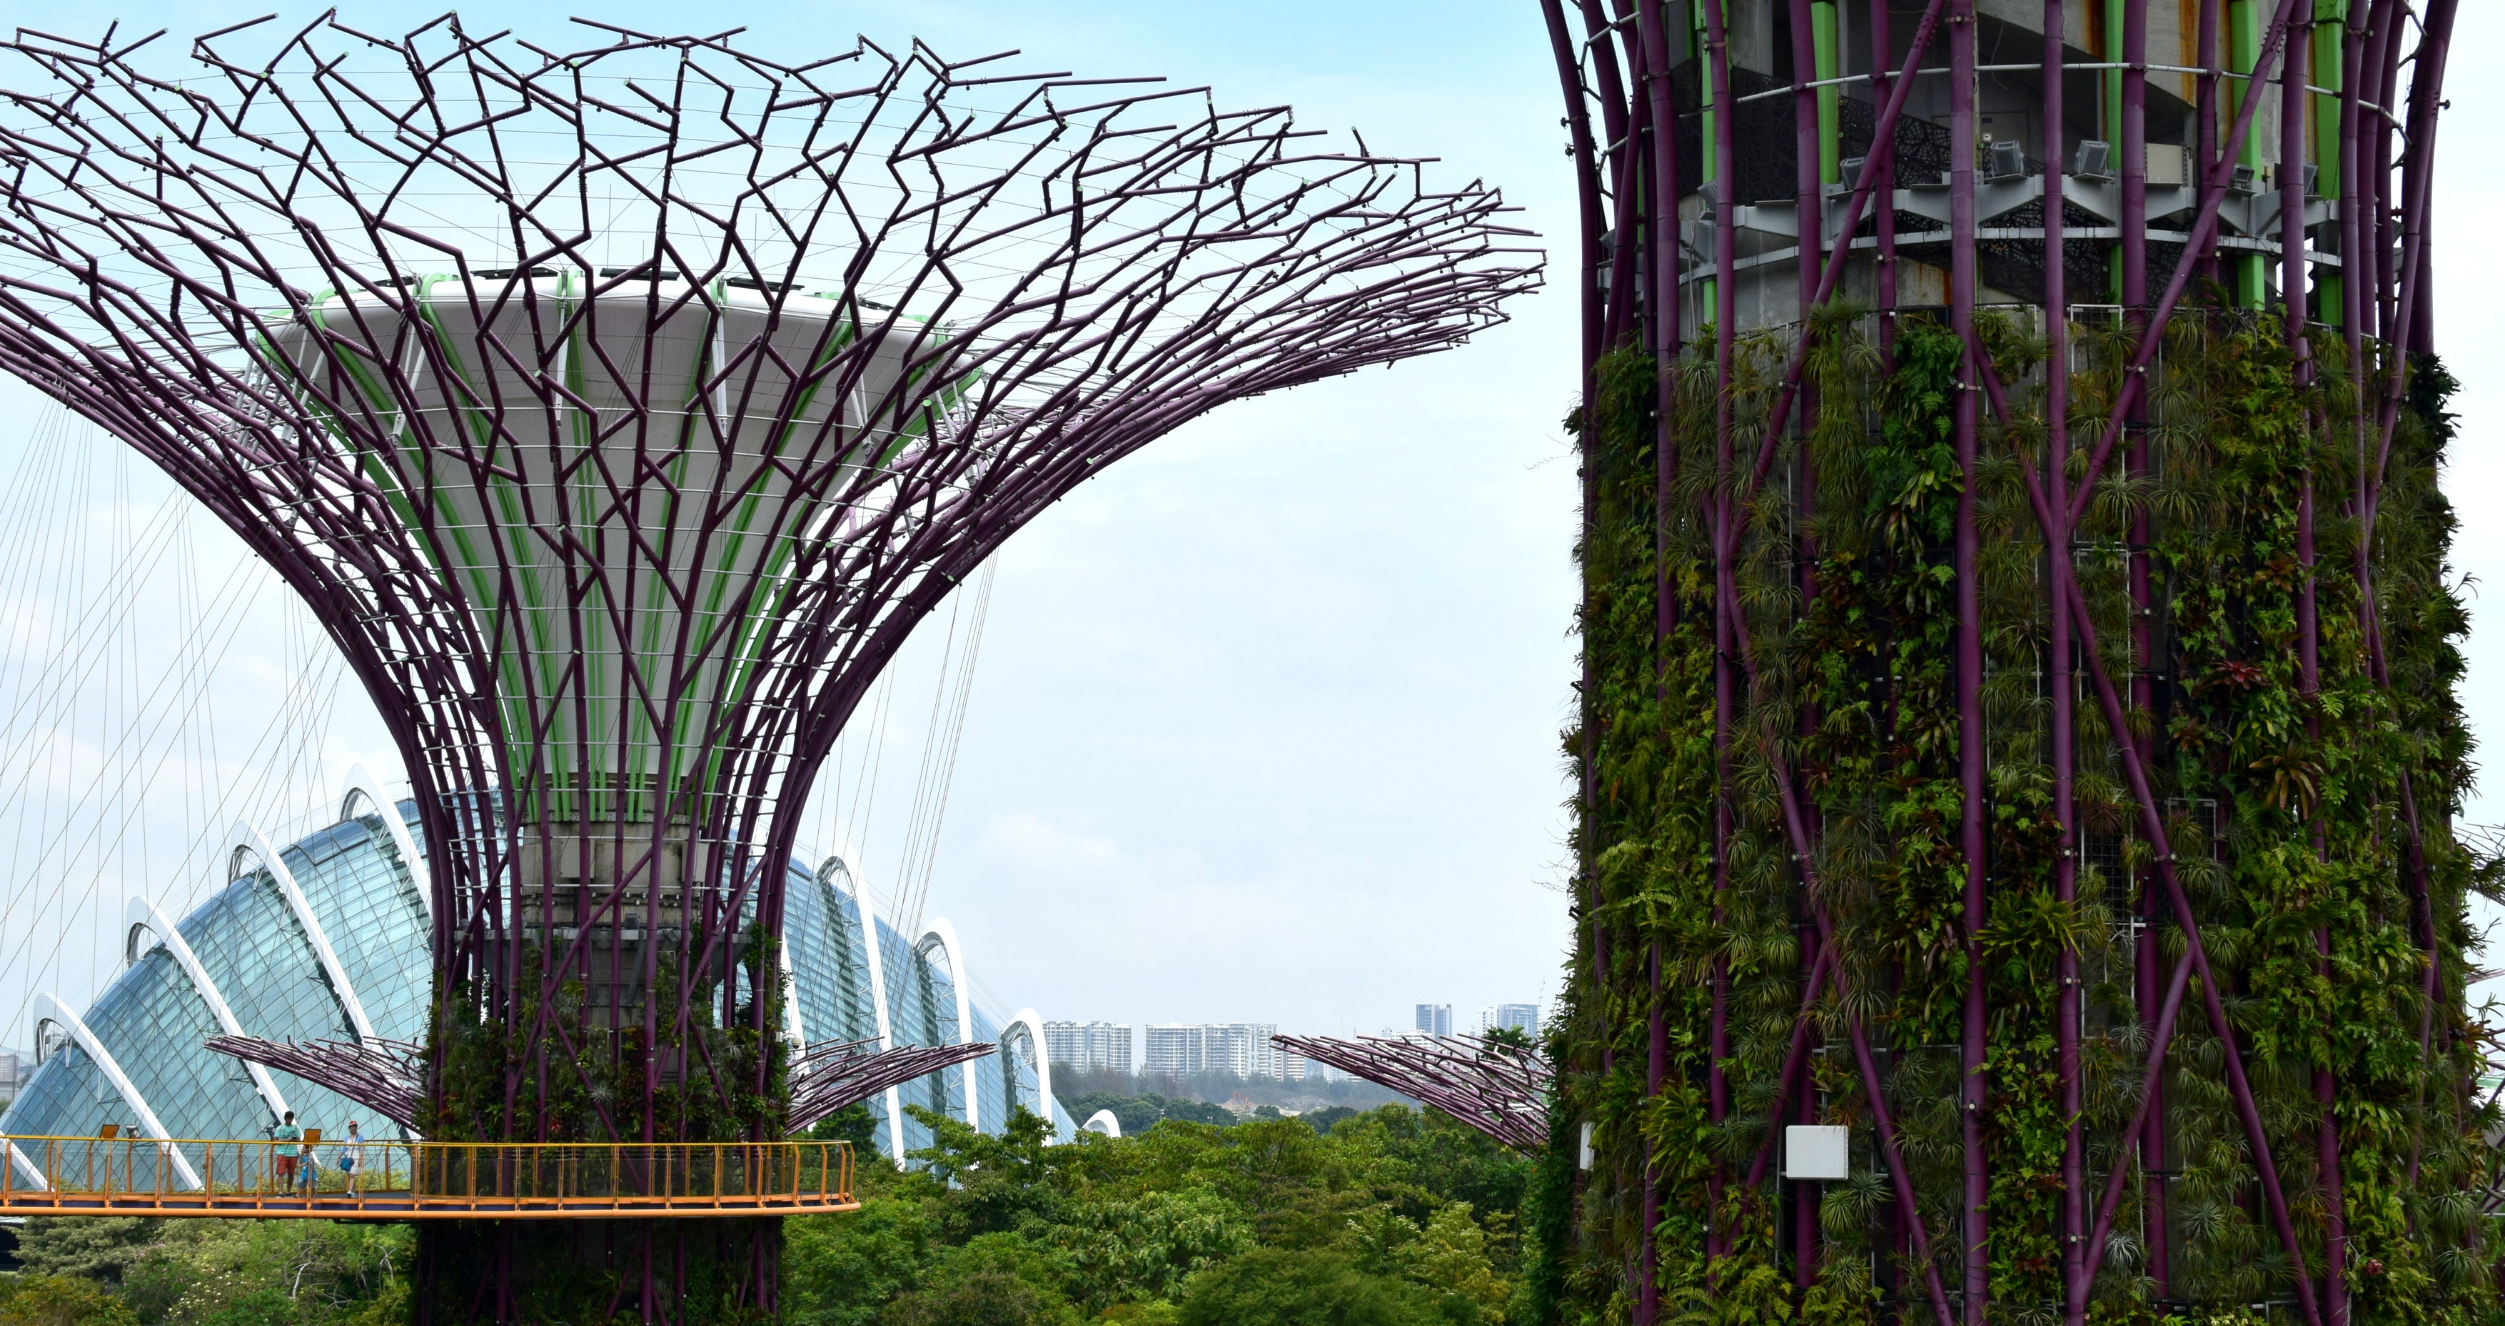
(352,1159)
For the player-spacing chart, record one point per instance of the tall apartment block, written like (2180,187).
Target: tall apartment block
(1089,1045)
(1180,1049)
(1524,1018)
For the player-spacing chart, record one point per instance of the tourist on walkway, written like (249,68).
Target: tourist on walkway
(352,1159)
(308,1166)
(284,1159)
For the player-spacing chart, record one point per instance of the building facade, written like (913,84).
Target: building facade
(326,939)
(1524,1018)
(1181,1049)
(1435,1019)
(1090,1046)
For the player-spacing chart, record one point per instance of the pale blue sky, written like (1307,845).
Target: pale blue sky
(1265,722)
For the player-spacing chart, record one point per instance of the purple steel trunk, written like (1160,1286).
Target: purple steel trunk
(1773,745)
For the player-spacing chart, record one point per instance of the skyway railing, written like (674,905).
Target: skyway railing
(399,1180)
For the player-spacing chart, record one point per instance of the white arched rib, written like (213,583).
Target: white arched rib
(1102,1121)
(843,859)
(242,838)
(1043,1058)
(103,1058)
(33,1173)
(945,935)
(362,783)
(142,912)
(792,1029)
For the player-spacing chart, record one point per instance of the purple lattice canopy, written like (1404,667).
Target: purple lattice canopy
(621,410)
(385,1076)
(834,1074)
(1499,1089)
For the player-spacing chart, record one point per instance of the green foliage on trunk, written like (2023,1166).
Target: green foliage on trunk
(2287,807)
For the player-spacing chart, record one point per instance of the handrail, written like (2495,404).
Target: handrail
(402,1180)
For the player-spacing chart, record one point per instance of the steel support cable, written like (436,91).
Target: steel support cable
(206,632)
(909,900)
(955,735)
(34,488)
(283,726)
(10,921)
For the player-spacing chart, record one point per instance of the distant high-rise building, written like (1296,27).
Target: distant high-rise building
(1522,1017)
(1435,1019)
(1179,1049)
(1089,1045)
(1291,1066)
(1172,1049)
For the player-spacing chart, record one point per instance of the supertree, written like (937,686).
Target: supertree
(2018,717)
(619,411)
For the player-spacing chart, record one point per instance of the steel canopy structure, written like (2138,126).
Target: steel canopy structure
(1499,1089)
(1941,582)
(620,411)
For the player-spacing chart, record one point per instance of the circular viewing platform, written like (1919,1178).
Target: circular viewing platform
(397,1180)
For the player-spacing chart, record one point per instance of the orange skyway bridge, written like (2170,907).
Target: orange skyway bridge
(397,1180)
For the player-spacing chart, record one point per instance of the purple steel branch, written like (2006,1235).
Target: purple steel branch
(1499,1089)
(829,1076)
(385,1076)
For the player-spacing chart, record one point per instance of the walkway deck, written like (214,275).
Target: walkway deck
(262,1180)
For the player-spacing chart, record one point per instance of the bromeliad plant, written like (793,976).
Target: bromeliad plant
(2269,599)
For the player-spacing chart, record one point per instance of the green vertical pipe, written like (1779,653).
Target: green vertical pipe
(1823,30)
(2112,54)
(2111,80)
(1695,26)
(2247,273)
(2330,31)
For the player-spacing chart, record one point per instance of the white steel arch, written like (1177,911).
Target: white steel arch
(945,935)
(245,838)
(26,1168)
(868,915)
(1102,1121)
(793,1031)
(362,783)
(1034,1026)
(59,1013)
(142,912)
